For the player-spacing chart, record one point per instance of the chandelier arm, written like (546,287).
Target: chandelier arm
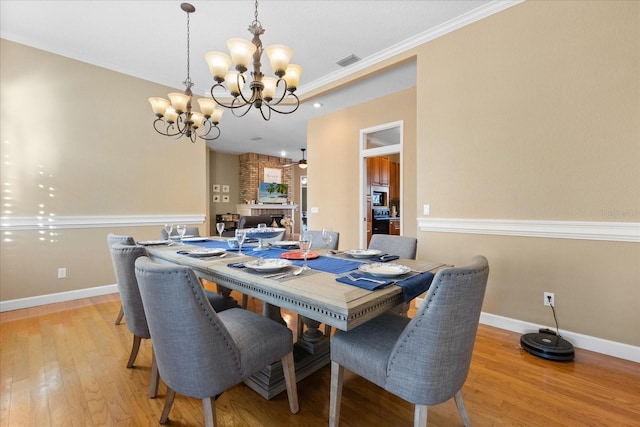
(166,131)
(229,106)
(297,104)
(205,135)
(268,116)
(244,113)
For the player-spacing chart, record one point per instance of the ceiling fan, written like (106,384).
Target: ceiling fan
(302,164)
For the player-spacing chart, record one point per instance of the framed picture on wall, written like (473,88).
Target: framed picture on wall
(225,188)
(273,175)
(216,188)
(216,198)
(225,199)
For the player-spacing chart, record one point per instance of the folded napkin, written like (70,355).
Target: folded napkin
(365,282)
(236,265)
(384,258)
(415,285)
(411,287)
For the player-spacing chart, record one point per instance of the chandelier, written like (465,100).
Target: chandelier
(267,93)
(174,118)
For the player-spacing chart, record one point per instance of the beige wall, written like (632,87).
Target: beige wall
(224,169)
(530,114)
(333,142)
(83,135)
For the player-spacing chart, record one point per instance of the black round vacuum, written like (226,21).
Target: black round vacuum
(548,346)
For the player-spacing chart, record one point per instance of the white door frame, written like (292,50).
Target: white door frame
(374,152)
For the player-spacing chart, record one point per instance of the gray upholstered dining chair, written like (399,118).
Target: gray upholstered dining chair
(316,239)
(403,246)
(424,360)
(124,257)
(202,353)
(190,231)
(112,239)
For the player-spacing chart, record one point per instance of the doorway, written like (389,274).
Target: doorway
(381,180)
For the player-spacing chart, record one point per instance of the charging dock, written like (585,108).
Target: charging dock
(548,346)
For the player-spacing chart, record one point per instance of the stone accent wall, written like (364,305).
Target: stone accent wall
(252,172)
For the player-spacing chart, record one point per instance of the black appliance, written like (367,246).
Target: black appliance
(380,197)
(380,220)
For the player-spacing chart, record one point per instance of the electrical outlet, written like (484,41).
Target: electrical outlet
(549,299)
(62,273)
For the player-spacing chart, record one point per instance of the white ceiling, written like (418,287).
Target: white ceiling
(147,39)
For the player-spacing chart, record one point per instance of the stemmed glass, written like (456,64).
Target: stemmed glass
(168,228)
(181,229)
(305,247)
(240,235)
(261,229)
(220,228)
(327,236)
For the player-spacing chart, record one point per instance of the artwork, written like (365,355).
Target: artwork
(273,175)
(225,188)
(216,198)
(225,199)
(216,188)
(272,192)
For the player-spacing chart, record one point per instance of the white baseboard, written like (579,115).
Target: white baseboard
(17,304)
(585,342)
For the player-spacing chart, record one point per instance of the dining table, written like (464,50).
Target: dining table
(322,294)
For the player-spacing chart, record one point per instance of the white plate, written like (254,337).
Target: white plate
(363,253)
(195,239)
(153,242)
(285,243)
(203,252)
(379,269)
(177,237)
(267,265)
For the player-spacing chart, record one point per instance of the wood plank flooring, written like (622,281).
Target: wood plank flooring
(64,365)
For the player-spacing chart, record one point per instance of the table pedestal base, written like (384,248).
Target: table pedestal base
(311,352)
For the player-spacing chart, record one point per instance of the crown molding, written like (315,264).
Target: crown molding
(410,43)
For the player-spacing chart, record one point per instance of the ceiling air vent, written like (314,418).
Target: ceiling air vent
(345,62)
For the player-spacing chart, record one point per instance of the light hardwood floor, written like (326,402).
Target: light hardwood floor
(64,365)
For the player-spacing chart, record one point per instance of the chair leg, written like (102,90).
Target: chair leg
(337,377)
(209,407)
(327,331)
(245,301)
(420,416)
(155,376)
(289,369)
(134,351)
(120,316)
(461,409)
(168,403)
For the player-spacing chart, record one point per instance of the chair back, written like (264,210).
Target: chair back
(252,221)
(190,231)
(196,355)
(430,360)
(402,246)
(113,238)
(316,239)
(124,258)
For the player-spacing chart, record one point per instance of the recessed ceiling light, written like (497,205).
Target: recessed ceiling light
(317,105)
(256,138)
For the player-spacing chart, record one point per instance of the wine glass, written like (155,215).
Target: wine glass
(261,229)
(168,228)
(240,235)
(220,228)
(305,247)
(181,229)
(327,236)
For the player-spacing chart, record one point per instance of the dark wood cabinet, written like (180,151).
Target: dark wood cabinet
(377,171)
(394,227)
(394,181)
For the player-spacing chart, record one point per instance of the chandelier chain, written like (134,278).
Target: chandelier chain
(187,82)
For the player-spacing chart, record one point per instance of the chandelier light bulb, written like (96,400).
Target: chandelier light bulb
(269,90)
(219,64)
(179,101)
(279,57)
(171,115)
(159,106)
(197,119)
(234,82)
(292,76)
(216,115)
(207,106)
(241,53)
